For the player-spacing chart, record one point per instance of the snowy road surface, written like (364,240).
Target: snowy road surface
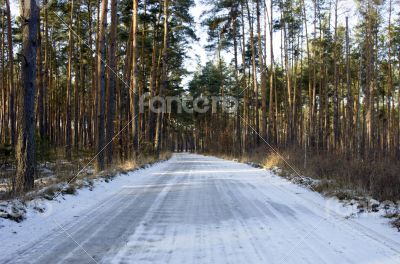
(198,209)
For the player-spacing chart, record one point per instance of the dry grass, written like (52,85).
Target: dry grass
(143,160)
(61,177)
(65,177)
(338,176)
(379,179)
(271,161)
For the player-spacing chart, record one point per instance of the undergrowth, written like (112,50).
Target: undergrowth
(59,176)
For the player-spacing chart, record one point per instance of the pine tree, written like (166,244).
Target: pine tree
(25,149)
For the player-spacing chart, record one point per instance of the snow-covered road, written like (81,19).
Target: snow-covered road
(198,209)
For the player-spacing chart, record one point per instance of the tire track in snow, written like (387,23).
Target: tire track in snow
(296,229)
(335,219)
(302,228)
(127,254)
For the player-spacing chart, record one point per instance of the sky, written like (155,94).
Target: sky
(197,53)
(14,7)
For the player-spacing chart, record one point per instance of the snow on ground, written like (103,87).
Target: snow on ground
(64,209)
(198,209)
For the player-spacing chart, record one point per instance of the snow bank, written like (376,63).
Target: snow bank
(43,216)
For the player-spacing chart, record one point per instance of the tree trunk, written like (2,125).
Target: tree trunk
(111,82)
(78,69)
(390,84)
(336,128)
(25,151)
(153,77)
(124,98)
(164,77)
(271,119)
(263,87)
(244,83)
(92,96)
(134,82)
(101,81)
(40,84)
(11,74)
(3,114)
(254,72)
(238,140)
(47,81)
(68,130)
(350,139)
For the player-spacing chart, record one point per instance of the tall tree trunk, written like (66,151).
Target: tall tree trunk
(101,81)
(336,128)
(312,89)
(93,83)
(288,82)
(350,122)
(96,75)
(390,83)
(271,119)
(25,151)
(153,77)
(164,77)
(11,74)
(46,80)
(3,114)
(143,59)
(244,82)
(370,82)
(238,140)
(263,87)
(254,71)
(68,130)
(134,82)
(111,82)
(124,98)
(78,68)
(40,84)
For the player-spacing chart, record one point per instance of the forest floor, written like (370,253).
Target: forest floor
(199,209)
